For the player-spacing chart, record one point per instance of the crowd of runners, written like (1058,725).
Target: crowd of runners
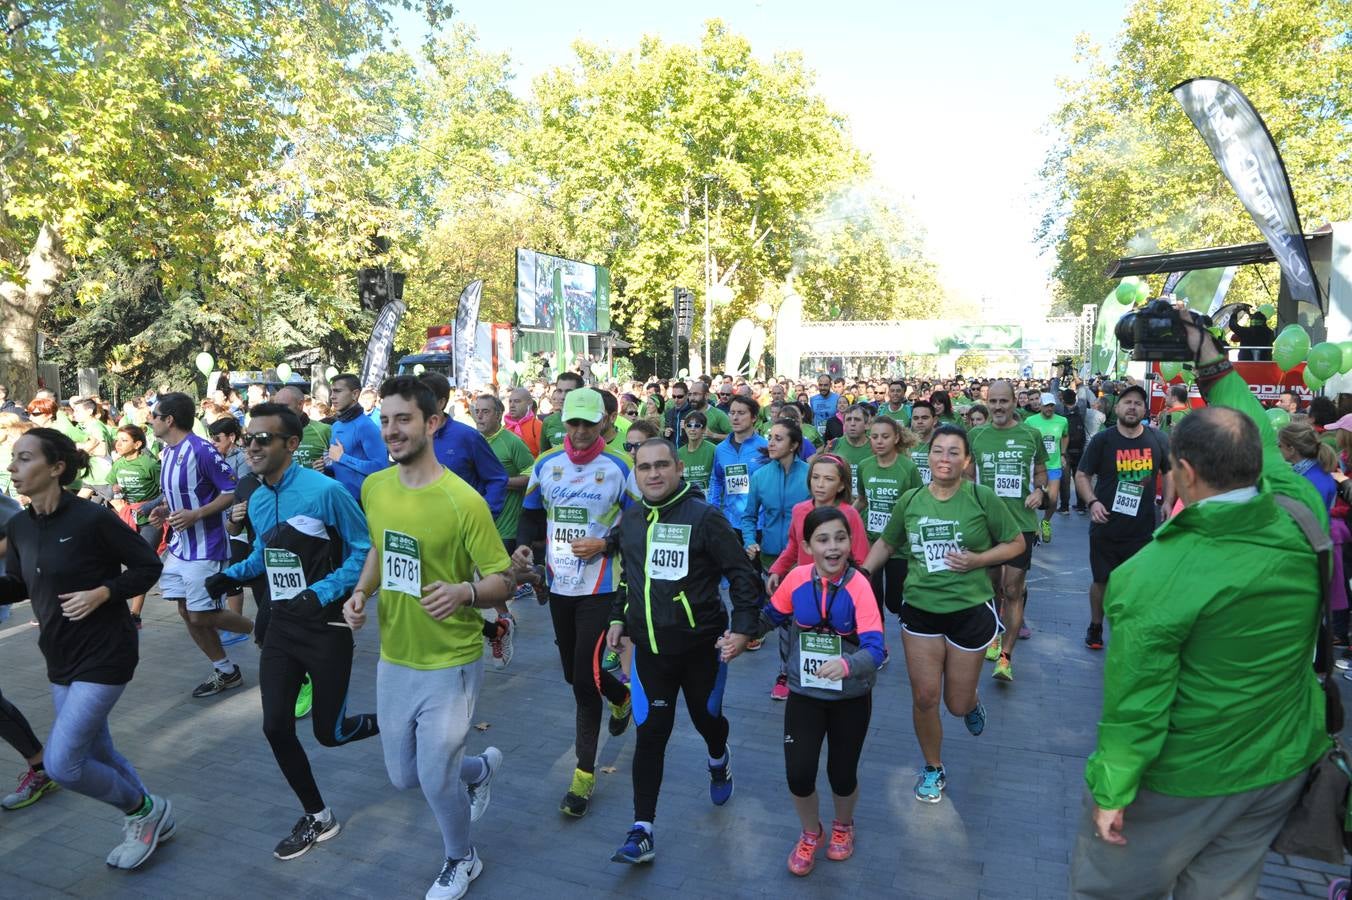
(669,527)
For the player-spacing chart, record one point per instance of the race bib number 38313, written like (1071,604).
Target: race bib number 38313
(401,564)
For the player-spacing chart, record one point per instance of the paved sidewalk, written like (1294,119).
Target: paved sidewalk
(1005,828)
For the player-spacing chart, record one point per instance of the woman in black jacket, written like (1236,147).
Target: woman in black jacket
(68,556)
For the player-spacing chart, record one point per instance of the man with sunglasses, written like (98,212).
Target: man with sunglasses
(309,547)
(676,411)
(697,454)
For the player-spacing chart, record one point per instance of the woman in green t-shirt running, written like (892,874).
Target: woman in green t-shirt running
(135,477)
(950,532)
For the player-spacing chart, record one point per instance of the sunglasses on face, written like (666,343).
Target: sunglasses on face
(678,396)
(631,449)
(262,438)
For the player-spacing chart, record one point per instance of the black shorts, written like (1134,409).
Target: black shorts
(1024,560)
(969,629)
(1106,554)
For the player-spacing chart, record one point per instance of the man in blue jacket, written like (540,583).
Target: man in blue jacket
(310,541)
(355,447)
(464,451)
(736,459)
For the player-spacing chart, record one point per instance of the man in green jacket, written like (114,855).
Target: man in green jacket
(1212,713)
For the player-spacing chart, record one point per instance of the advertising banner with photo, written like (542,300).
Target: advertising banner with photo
(586,293)
(1247,155)
(376,364)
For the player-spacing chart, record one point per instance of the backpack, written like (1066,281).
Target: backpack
(1075,430)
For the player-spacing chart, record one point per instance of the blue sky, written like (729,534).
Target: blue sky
(950,100)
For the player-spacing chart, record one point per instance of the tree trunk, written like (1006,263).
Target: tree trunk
(21,306)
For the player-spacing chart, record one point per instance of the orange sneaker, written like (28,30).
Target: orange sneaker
(842,842)
(804,855)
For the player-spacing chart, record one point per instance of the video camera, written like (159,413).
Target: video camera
(1155,333)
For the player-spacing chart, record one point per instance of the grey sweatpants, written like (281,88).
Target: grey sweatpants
(1194,847)
(425,715)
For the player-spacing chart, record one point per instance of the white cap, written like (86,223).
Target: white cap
(1048,399)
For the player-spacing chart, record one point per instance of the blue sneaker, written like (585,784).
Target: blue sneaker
(930,785)
(637,848)
(976,719)
(720,781)
(230,638)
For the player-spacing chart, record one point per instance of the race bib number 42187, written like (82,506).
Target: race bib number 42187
(401,564)
(286,578)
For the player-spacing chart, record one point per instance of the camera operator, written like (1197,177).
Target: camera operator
(1212,713)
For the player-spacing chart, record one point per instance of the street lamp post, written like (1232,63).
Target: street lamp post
(708,285)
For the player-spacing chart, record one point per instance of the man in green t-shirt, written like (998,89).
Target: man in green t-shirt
(853,444)
(429,532)
(896,406)
(552,433)
(922,423)
(314,441)
(1055,431)
(1008,457)
(716,423)
(696,454)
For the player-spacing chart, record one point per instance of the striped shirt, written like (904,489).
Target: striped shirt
(192,475)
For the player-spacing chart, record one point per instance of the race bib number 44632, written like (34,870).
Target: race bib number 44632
(569,524)
(401,564)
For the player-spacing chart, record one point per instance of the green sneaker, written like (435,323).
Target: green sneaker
(305,699)
(578,799)
(993,651)
(620,714)
(1046,531)
(1003,670)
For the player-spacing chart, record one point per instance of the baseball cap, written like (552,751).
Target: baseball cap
(1048,400)
(1343,424)
(1128,389)
(585,404)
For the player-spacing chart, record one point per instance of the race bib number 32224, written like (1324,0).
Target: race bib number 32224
(401,564)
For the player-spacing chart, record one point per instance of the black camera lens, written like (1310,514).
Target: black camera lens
(1125,330)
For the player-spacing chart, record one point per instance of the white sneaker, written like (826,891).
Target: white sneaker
(500,647)
(142,834)
(479,793)
(455,877)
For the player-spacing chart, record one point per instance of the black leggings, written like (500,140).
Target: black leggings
(888,582)
(654,680)
(290,650)
(580,625)
(843,723)
(16,731)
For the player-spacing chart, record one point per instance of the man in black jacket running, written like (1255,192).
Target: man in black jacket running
(675,549)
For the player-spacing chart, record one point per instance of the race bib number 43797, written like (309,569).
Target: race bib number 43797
(669,552)
(401,564)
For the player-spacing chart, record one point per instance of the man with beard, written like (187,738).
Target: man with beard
(1122,469)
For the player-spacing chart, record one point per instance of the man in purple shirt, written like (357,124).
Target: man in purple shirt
(198,487)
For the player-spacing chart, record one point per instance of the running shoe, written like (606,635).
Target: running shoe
(308,832)
(620,714)
(32,786)
(930,784)
(219,682)
(781,689)
(842,841)
(455,877)
(479,793)
(306,698)
(500,644)
(720,780)
(1003,670)
(753,645)
(1093,637)
(887,657)
(578,799)
(993,651)
(523,592)
(540,585)
(1065,512)
(230,638)
(976,719)
(1046,531)
(637,847)
(1025,632)
(804,855)
(142,833)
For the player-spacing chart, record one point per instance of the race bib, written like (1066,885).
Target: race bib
(402,564)
(1127,500)
(1009,480)
(936,540)
(286,578)
(1049,444)
(924,474)
(877,519)
(570,523)
(738,479)
(813,651)
(669,552)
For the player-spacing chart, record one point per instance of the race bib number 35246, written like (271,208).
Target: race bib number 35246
(401,564)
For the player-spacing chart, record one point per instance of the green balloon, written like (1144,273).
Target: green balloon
(1267,310)
(1291,347)
(1142,291)
(1325,360)
(205,363)
(1279,417)
(1346,347)
(1312,381)
(331,373)
(283,372)
(1170,370)
(1126,290)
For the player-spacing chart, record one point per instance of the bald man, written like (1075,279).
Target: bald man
(520,419)
(314,441)
(1009,457)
